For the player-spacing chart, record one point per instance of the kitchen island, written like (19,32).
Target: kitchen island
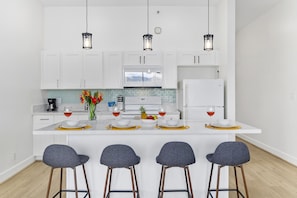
(147,144)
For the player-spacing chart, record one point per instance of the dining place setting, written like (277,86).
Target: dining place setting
(222,124)
(148,123)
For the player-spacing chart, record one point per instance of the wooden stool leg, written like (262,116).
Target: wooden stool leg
(236,181)
(87,184)
(133,184)
(135,178)
(209,183)
(244,182)
(163,181)
(188,181)
(61,182)
(218,181)
(75,182)
(106,182)
(49,183)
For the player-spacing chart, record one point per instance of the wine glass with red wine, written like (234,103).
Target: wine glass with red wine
(67,111)
(210,111)
(162,113)
(116,112)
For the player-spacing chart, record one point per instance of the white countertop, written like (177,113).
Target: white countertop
(100,127)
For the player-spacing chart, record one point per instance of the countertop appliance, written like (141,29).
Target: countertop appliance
(196,95)
(52,106)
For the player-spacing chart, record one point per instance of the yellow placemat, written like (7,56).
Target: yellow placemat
(128,128)
(81,128)
(174,128)
(223,128)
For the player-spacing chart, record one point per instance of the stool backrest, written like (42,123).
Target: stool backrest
(231,153)
(176,154)
(119,156)
(61,156)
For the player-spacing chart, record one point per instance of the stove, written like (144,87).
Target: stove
(132,105)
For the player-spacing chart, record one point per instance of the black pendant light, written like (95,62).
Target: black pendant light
(147,38)
(208,38)
(87,37)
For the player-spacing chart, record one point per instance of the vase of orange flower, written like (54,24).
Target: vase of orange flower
(91,101)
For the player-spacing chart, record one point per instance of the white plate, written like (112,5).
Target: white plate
(80,125)
(123,127)
(230,125)
(171,126)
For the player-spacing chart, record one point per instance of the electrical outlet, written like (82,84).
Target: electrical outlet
(12,157)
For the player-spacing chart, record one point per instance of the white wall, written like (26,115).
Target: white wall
(122,28)
(266,79)
(21,42)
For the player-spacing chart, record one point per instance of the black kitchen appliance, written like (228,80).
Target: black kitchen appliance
(52,104)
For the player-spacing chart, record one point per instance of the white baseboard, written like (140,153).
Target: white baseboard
(15,169)
(288,158)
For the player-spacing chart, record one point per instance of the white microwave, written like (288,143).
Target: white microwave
(142,76)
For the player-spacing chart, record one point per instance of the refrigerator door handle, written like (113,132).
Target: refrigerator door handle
(185,95)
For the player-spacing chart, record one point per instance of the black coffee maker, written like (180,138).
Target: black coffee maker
(52,104)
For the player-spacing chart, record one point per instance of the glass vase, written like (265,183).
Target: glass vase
(92,111)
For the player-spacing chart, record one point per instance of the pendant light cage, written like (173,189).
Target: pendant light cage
(208,38)
(147,38)
(86,36)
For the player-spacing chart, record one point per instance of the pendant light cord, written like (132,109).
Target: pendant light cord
(208,17)
(86,15)
(147,16)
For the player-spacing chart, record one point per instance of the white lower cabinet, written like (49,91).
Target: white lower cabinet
(41,142)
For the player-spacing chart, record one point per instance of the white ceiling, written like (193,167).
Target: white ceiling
(246,10)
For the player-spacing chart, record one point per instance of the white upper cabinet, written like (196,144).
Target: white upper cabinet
(169,70)
(93,70)
(72,70)
(112,69)
(50,70)
(202,58)
(142,58)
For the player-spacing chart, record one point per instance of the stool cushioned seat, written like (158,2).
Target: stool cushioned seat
(176,154)
(229,154)
(64,156)
(119,156)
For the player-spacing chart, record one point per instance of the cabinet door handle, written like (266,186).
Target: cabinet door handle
(194,59)
(198,59)
(139,59)
(143,59)
(43,119)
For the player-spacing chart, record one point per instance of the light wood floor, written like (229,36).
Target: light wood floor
(267,177)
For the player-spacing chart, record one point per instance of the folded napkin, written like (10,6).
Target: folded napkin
(78,128)
(174,128)
(223,128)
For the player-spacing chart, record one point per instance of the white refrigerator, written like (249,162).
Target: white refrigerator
(196,95)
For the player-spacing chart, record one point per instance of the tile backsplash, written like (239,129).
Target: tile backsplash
(73,96)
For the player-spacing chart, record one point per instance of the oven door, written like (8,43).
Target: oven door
(142,77)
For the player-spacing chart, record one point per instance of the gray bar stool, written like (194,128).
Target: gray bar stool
(63,156)
(119,156)
(176,154)
(229,154)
